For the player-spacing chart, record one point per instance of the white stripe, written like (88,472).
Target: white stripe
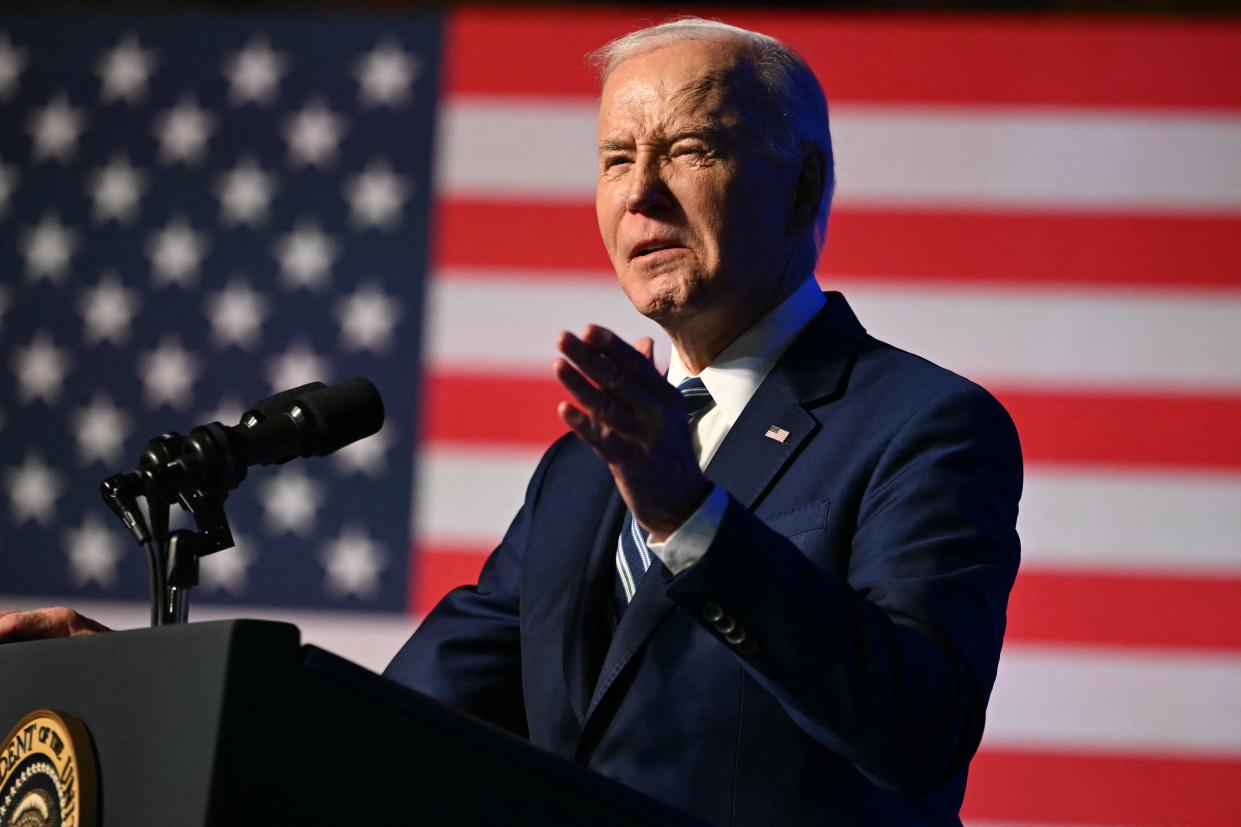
(1108,700)
(1089,338)
(1070,518)
(626,578)
(542,148)
(1065,337)
(644,551)
(468,496)
(1160,522)
(520,317)
(1027,157)
(536,149)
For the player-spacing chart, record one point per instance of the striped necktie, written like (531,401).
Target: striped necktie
(633,555)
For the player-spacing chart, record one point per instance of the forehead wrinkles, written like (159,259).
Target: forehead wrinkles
(649,109)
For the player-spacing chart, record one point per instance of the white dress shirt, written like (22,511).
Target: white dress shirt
(732,378)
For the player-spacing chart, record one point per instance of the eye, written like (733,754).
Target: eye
(613,162)
(690,150)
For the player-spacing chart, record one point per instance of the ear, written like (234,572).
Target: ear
(808,189)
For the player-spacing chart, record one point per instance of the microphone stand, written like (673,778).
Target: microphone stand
(185,548)
(171,556)
(161,449)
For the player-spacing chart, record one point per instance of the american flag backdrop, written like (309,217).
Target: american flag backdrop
(1050,206)
(194,214)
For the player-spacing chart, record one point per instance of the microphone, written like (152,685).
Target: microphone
(310,420)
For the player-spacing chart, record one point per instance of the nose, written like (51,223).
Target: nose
(647,189)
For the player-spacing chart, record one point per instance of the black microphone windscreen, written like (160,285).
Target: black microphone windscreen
(279,403)
(344,412)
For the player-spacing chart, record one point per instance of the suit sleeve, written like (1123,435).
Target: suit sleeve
(890,665)
(467,652)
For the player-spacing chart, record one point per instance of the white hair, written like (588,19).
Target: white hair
(792,106)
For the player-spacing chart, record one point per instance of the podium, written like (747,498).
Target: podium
(237,723)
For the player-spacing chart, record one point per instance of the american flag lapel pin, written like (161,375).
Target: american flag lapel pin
(777,433)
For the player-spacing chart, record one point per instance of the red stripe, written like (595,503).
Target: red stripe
(1053,248)
(1161,611)
(437,570)
(1037,247)
(1067,788)
(893,59)
(1126,429)
(476,407)
(474,233)
(1069,426)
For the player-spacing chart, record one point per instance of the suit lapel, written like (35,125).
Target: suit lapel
(649,606)
(812,369)
(588,628)
(747,463)
(747,460)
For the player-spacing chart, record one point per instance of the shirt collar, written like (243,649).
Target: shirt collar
(735,374)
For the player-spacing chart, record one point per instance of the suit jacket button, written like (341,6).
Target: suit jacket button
(736,637)
(725,624)
(712,612)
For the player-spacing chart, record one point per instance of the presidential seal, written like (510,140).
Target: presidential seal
(47,773)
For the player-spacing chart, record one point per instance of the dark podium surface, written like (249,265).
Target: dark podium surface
(236,723)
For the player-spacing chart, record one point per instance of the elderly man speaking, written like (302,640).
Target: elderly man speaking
(769,588)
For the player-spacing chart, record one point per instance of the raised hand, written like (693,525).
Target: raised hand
(635,421)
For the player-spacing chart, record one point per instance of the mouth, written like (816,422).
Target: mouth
(652,247)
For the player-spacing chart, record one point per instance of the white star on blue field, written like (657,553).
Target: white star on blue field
(195,214)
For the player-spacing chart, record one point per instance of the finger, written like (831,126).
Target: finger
(606,373)
(646,346)
(589,360)
(38,624)
(579,422)
(624,355)
(611,446)
(16,627)
(597,403)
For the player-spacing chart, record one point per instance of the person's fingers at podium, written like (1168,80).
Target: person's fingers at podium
(37,624)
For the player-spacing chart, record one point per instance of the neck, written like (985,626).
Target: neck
(702,337)
(700,341)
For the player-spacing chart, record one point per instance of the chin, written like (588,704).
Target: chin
(663,297)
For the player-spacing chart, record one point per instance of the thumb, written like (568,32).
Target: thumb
(646,346)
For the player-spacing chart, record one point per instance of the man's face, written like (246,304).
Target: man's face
(693,216)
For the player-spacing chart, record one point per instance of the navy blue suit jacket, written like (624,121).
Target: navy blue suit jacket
(827,661)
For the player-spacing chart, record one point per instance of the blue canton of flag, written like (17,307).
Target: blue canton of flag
(196,213)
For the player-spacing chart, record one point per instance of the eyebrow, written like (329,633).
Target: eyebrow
(706,131)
